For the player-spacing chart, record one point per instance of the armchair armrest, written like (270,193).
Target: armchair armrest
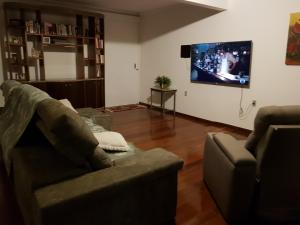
(137,188)
(234,150)
(229,172)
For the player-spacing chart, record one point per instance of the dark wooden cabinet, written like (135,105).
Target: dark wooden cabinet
(40,85)
(94,92)
(81,93)
(73,90)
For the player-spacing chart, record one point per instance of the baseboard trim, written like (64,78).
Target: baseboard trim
(197,119)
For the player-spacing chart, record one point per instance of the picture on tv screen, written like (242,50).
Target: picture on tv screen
(224,63)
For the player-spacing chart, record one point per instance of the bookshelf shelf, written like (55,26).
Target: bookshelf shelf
(33,34)
(31,31)
(61,45)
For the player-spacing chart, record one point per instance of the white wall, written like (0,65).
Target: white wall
(122,52)
(264,22)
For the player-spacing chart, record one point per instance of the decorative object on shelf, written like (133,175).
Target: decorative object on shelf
(163,81)
(293,45)
(14,58)
(46,40)
(15,40)
(35,53)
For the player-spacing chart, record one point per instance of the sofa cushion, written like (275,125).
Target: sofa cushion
(68,133)
(275,115)
(39,165)
(100,159)
(112,141)
(63,147)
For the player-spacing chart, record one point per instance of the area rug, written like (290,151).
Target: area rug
(125,107)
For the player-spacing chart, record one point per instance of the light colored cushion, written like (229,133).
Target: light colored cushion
(113,141)
(68,104)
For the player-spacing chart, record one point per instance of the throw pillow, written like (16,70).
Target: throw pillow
(68,104)
(112,141)
(63,148)
(99,159)
(73,137)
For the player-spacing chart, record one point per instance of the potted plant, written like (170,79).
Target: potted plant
(163,81)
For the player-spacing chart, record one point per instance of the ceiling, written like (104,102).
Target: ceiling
(131,7)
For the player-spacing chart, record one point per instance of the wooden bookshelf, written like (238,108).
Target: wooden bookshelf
(29,34)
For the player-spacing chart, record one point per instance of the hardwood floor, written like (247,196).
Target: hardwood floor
(184,137)
(148,129)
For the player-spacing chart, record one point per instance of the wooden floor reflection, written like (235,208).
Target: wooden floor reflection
(185,137)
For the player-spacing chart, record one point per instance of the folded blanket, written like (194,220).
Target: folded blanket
(8,86)
(20,105)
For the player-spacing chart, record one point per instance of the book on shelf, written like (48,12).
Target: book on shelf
(32,27)
(99,59)
(98,71)
(99,43)
(59,29)
(85,51)
(47,28)
(96,43)
(97,25)
(102,59)
(86,72)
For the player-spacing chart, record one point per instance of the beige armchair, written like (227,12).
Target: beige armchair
(259,177)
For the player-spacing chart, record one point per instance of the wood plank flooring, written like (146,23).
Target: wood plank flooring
(184,137)
(148,129)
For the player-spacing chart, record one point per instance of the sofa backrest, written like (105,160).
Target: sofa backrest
(271,115)
(278,169)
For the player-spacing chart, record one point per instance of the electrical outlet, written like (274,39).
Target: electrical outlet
(185,93)
(253,102)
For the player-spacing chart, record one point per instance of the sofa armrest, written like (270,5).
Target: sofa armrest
(141,186)
(229,172)
(234,150)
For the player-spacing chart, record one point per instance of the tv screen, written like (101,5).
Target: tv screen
(224,63)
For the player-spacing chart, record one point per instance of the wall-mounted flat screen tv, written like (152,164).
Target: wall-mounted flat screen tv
(224,63)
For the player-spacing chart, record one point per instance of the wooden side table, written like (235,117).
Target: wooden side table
(163,93)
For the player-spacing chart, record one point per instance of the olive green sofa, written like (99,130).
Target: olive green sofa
(52,189)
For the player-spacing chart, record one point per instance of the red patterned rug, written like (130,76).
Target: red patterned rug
(125,107)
